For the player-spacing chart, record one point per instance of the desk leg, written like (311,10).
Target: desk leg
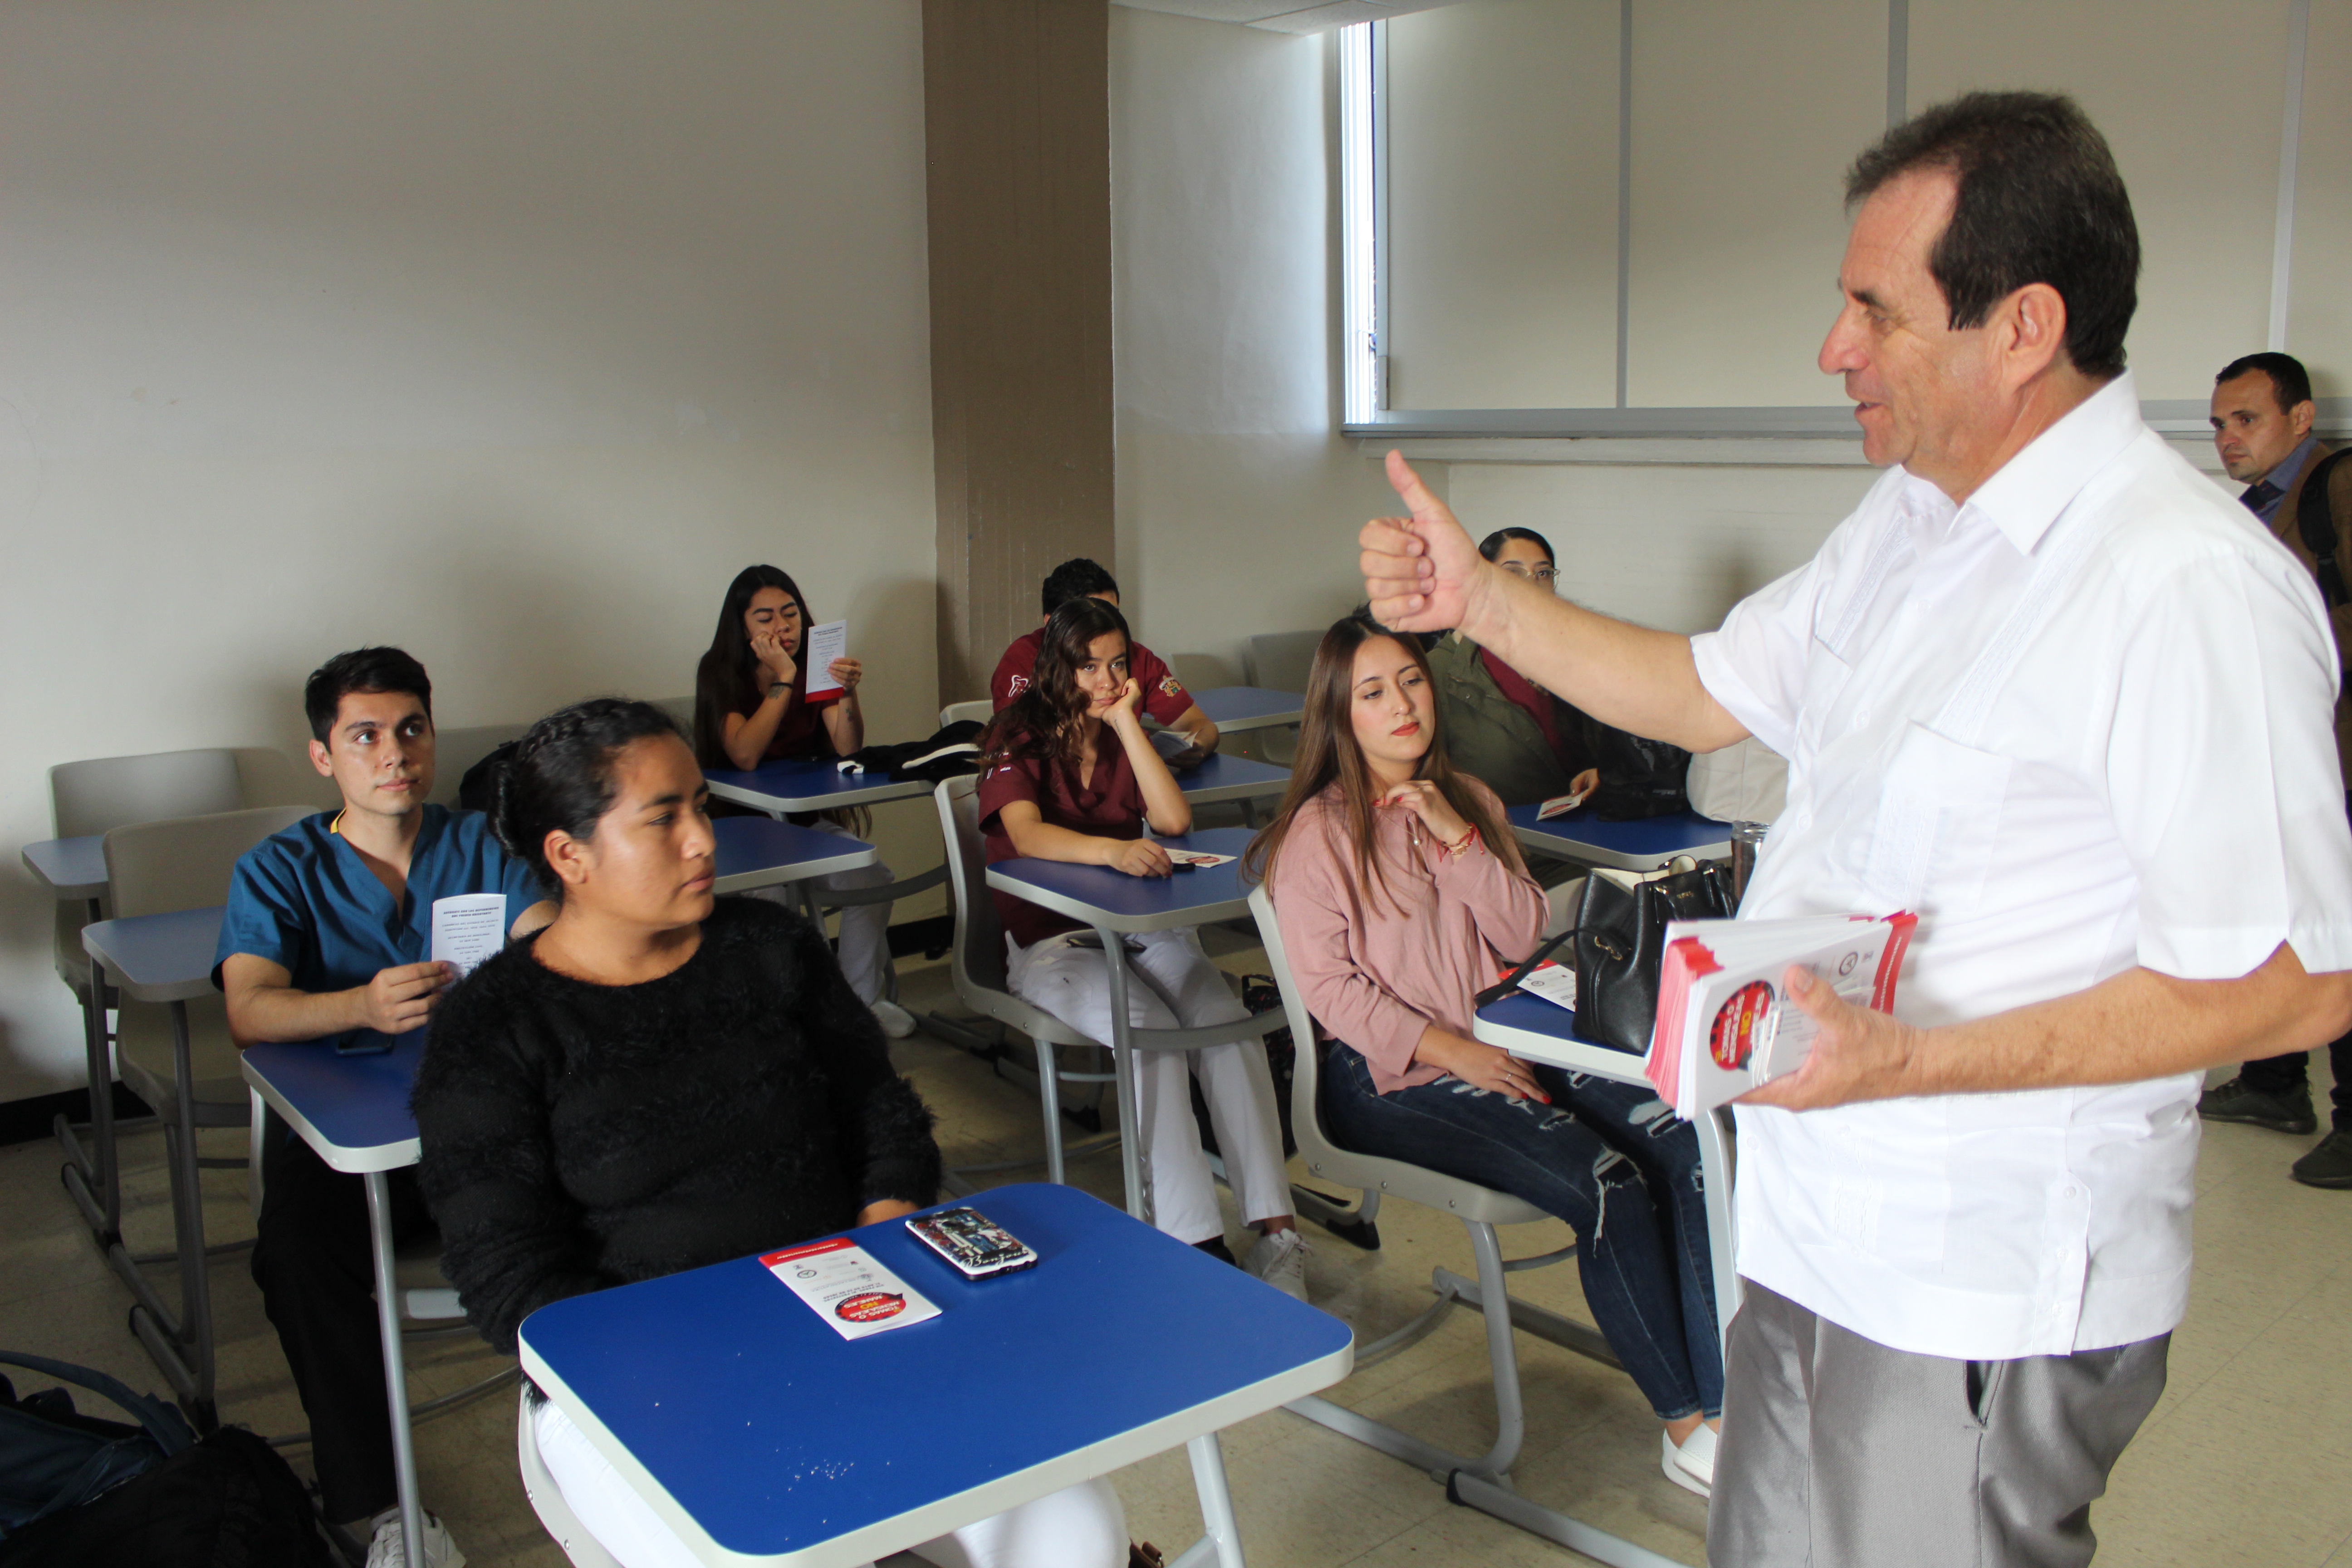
(1122,1066)
(1714,1167)
(396,1367)
(196,1283)
(1217,1522)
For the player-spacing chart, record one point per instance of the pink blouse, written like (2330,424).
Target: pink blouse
(1379,965)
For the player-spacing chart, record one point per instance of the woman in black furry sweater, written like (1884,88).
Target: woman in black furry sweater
(659,1080)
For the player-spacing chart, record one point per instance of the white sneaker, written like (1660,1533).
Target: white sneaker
(1690,1464)
(1280,1259)
(389,1549)
(896,1021)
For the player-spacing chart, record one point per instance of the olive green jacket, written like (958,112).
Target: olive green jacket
(1487,735)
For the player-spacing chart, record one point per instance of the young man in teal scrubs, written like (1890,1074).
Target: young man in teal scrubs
(328,934)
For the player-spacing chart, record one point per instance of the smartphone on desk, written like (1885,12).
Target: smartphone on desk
(975,1245)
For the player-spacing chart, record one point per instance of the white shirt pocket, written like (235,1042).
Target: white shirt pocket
(1826,676)
(1938,812)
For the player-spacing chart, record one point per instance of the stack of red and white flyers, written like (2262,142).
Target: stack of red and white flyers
(1725,1022)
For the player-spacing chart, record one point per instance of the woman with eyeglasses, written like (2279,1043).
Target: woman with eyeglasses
(1523,743)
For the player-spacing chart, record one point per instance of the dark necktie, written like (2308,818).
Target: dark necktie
(2260,495)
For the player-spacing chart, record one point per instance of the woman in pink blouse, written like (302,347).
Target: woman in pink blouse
(1401,893)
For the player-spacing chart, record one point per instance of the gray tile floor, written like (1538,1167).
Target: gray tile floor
(2247,1460)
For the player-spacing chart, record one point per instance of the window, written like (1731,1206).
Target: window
(1622,217)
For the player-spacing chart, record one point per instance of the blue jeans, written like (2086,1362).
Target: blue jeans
(1600,1157)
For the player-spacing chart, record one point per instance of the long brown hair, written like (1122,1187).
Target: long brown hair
(1328,753)
(1044,721)
(725,681)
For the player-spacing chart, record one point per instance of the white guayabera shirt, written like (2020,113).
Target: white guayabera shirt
(2083,722)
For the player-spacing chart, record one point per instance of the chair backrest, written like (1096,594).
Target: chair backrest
(455,750)
(1366,1173)
(977,952)
(104,793)
(1281,661)
(185,862)
(982,710)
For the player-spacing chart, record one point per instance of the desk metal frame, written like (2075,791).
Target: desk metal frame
(1175,911)
(75,868)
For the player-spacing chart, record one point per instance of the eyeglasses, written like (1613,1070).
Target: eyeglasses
(1543,575)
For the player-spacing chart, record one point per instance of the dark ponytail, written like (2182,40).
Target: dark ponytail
(561,775)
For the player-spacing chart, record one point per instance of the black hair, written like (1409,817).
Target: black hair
(2039,200)
(1492,545)
(727,679)
(1077,578)
(360,670)
(559,776)
(1043,720)
(2290,383)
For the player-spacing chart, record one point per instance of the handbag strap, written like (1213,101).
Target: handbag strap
(1510,983)
(164,1423)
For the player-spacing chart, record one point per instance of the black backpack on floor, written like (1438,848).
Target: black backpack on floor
(75,1490)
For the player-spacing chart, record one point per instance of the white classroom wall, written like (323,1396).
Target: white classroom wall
(1238,501)
(505,333)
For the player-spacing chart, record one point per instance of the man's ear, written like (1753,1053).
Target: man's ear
(321,761)
(2300,417)
(2034,319)
(567,857)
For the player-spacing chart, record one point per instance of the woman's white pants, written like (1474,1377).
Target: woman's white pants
(1172,985)
(1078,1527)
(865,928)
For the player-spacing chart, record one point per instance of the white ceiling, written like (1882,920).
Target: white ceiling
(1286,15)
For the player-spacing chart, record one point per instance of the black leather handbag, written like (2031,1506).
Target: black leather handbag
(1620,944)
(1619,938)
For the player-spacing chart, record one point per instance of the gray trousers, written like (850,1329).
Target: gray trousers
(1838,1452)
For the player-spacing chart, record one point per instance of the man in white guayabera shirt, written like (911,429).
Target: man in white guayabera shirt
(2060,695)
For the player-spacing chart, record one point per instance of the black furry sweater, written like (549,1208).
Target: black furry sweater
(579,1136)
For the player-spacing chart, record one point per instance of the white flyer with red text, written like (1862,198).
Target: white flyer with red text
(844,1284)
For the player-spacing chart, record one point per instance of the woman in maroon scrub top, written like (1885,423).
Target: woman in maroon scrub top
(1070,774)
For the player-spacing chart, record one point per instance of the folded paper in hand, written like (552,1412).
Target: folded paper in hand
(825,643)
(1725,1022)
(1560,806)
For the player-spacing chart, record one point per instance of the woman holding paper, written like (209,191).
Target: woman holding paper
(1401,893)
(1068,773)
(659,1080)
(753,704)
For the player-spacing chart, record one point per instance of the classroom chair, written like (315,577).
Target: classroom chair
(179,1058)
(1483,1481)
(455,750)
(1280,661)
(90,797)
(976,959)
(979,711)
(547,1497)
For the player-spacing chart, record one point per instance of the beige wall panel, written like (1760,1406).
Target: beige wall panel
(1745,117)
(2319,306)
(1019,144)
(1502,205)
(2190,99)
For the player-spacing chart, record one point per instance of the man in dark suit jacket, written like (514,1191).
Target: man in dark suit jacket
(2263,413)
